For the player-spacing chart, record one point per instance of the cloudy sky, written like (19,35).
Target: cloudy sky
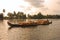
(31,6)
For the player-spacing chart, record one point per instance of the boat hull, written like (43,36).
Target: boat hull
(28,25)
(18,25)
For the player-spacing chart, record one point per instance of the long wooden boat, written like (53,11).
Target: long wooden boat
(30,24)
(20,25)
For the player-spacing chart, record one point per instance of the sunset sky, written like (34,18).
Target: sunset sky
(31,6)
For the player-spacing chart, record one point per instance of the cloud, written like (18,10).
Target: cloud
(56,11)
(36,3)
(58,2)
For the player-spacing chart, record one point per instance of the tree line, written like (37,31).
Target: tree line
(21,15)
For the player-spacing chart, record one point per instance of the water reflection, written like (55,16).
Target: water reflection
(21,20)
(3,30)
(17,20)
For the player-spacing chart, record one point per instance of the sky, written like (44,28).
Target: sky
(32,7)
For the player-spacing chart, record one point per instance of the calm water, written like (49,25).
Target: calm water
(41,32)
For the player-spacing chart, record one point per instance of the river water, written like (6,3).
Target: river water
(40,32)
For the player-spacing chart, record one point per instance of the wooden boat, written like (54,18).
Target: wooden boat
(43,22)
(24,24)
(21,25)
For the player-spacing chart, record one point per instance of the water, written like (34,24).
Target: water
(41,32)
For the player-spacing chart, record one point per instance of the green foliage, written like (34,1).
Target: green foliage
(10,15)
(21,15)
(1,16)
(3,10)
(38,16)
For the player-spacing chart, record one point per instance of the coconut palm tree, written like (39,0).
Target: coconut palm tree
(3,10)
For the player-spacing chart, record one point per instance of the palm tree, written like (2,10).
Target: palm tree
(3,10)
